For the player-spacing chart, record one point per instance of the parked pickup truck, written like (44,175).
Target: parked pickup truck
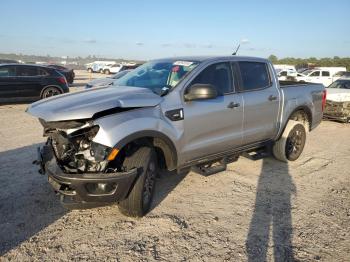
(107,145)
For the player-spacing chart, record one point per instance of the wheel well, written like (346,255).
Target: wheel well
(303,115)
(46,87)
(165,150)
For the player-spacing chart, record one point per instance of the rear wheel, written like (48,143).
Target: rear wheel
(50,91)
(291,144)
(140,197)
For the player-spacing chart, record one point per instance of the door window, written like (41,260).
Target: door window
(42,72)
(27,71)
(283,73)
(255,75)
(218,75)
(316,73)
(326,73)
(6,71)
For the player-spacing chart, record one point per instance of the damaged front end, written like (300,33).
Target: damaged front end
(78,168)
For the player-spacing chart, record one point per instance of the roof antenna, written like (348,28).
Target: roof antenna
(234,53)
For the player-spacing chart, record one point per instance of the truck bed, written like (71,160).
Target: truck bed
(297,95)
(294,83)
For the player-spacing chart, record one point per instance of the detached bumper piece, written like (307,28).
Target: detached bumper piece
(88,189)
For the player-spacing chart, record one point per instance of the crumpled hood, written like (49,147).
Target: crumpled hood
(84,104)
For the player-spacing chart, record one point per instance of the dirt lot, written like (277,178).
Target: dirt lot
(255,209)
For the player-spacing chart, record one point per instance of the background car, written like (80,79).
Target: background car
(115,68)
(106,81)
(112,69)
(68,73)
(97,66)
(339,90)
(30,82)
(8,61)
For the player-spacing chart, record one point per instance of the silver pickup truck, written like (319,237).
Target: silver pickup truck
(107,145)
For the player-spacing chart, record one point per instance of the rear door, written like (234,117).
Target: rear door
(8,85)
(261,98)
(314,77)
(29,81)
(213,125)
(326,78)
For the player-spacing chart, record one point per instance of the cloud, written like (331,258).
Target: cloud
(90,41)
(189,45)
(166,45)
(140,43)
(208,46)
(244,41)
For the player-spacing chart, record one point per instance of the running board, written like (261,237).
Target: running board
(207,171)
(215,167)
(256,155)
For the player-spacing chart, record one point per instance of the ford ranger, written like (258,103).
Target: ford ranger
(106,145)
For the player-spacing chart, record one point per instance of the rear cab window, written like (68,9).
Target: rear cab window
(326,73)
(254,75)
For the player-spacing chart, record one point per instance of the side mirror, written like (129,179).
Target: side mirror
(201,92)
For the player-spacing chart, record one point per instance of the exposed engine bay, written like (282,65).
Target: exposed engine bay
(73,146)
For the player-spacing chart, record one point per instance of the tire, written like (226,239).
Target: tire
(139,200)
(107,72)
(50,91)
(291,144)
(90,70)
(101,71)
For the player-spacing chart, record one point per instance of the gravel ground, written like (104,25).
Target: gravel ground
(256,210)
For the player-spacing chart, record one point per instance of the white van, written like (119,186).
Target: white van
(332,70)
(320,75)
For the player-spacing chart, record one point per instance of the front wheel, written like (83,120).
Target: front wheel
(107,72)
(139,200)
(291,144)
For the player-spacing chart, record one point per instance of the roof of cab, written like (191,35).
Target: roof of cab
(213,58)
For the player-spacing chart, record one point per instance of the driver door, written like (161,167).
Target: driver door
(213,125)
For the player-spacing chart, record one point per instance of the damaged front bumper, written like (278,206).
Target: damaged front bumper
(81,190)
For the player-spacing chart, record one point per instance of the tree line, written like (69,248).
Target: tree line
(312,61)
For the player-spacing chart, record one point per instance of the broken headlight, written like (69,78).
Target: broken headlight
(76,151)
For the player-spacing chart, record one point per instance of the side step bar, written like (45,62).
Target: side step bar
(257,155)
(214,167)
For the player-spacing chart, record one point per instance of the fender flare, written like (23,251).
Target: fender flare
(159,140)
(304,108)
(307,111)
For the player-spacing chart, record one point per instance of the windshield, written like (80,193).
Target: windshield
(159,76)
(306,72)
(340,84)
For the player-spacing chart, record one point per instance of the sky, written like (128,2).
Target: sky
(148,29)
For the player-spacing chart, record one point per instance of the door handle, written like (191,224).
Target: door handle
(272,98)
(233,105)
